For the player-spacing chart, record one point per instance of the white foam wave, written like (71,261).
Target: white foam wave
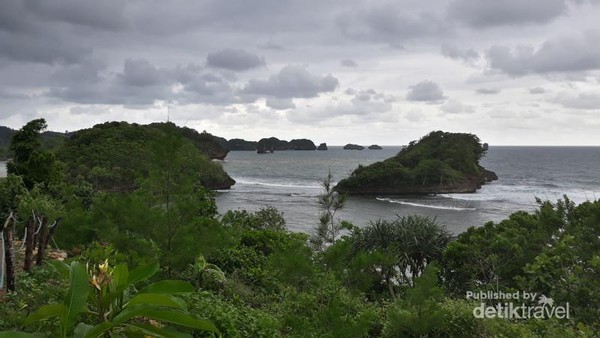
(278,185)
(471,197)
(443,207)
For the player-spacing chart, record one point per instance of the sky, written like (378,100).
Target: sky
(512,72)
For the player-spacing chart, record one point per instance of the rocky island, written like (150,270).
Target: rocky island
(322,146)
(440,162)
(351,146)
(269,145)
(375,147)
(113,156)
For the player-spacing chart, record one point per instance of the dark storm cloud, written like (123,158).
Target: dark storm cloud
(234,59)
(292,82)
(425,91)
(488,13)
(488,91)
(389,23)
(561,54)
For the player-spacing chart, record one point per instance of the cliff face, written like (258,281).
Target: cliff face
(438,163)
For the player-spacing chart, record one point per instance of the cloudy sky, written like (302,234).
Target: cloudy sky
(386,72)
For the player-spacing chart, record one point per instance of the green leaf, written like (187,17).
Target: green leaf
(165,315)
(169,287)
(180,318)
(14,334)
(142,273)
(120,278)
(60,266)
(200,263)
(98,330)
(158,300)
(157,332)
(45,312)
(76,298)
(82,329)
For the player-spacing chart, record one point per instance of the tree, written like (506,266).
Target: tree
(29,160)
(329,228)
(398,251)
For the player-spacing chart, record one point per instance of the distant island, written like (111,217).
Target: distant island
(440,162)
(322,146)
(271,144)
(375,147)
(351,146)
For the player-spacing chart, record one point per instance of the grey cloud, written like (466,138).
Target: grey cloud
(349,63)
(489,13)
(44,48)
(500,113)
(234,59)
(425,91)
(456,107)
(389,23)
(208,85)
(362,104)
(89,110)
(292,82)
(280,104)
(141,83)
(270,45)
(537,90)
(106,14)
(140,73)
(87,71)
(414,116)
(562,54)
(488,91)
(585,100)
(453,52)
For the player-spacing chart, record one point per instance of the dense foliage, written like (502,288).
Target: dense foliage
(114,156)
(437,160)
(160,261)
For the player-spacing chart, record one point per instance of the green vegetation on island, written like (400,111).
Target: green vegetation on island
(115,155)
(439,162)
(160,261)
(352,146)
(271,144)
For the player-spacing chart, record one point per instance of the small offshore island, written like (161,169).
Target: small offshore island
(440,162)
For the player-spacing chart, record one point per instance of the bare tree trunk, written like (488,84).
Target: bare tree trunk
(9,257)
(42,242)
(29,244)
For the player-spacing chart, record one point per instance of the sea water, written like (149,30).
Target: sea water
(289,181)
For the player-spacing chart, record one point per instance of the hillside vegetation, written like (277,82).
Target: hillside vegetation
(114,155)
(440,162)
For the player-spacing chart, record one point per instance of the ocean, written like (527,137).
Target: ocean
(289,181)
